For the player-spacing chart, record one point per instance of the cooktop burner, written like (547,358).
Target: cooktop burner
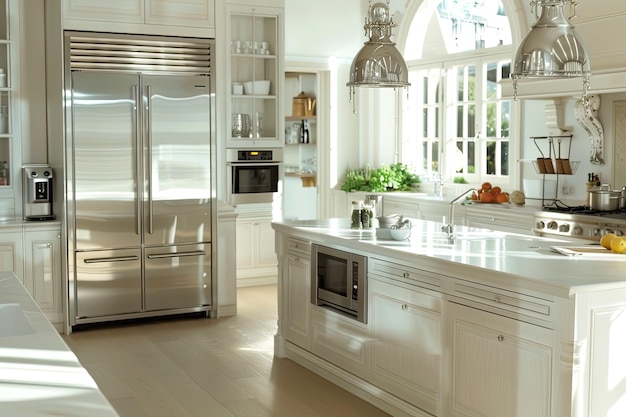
(584,210)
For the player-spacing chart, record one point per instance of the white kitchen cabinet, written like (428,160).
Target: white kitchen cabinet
(226,260)
(498,366)
(297,288)
(406,348)
(254,41)
(340,340)
(42,271)
(493,217)
(11,250)
(182,13)
(400,206)
(256,255)
(10,130)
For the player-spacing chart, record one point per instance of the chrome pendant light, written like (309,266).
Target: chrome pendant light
(552,48)
(378,63)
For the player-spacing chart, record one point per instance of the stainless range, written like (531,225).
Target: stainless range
(579,222)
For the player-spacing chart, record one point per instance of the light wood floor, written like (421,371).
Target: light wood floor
(208,367)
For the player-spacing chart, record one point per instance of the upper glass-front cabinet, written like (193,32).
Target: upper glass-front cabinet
(5,95)
(254,77)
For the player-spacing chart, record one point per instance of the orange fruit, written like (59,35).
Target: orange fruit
(485,186)
(605,240)
(474,196)
(487,198)
(502,198)
(496,190)
(618,244)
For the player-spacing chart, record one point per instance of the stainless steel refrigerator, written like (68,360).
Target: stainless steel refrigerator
(139,186)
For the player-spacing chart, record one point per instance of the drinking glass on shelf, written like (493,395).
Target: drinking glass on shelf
(241,125)
(258,122)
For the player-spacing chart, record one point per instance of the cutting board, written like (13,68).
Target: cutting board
(589,250)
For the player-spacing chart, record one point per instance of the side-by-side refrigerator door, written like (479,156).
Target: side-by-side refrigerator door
(104,163)
(177,277)
(177,149)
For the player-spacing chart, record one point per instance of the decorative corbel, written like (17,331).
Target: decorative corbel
(586,114)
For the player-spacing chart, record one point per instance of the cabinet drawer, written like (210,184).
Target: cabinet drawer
(403,273)
(508,300)
(299,247)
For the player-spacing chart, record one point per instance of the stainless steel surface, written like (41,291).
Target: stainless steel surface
(346,289)
(140,175)
(240,161)
(104,51)
(449,227)
(581,226)
(552,48)
(603,198)
(37,186)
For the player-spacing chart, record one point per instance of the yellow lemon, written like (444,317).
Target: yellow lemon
(618,245)
(605,241)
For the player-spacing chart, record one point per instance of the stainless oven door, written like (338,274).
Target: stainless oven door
(253,182)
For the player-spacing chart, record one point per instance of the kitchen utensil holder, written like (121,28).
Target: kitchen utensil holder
(241,125)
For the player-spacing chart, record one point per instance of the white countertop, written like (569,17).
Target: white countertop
(39,374)
(507,257)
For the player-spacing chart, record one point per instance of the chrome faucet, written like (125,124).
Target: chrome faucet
(449,227)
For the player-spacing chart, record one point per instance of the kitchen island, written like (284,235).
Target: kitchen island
(39,374)
(488,323)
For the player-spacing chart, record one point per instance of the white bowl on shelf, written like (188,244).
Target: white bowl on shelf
(257,88)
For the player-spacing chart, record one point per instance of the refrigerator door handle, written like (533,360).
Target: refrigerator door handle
(137,158)
(111,259)
(149,158)
(176,255)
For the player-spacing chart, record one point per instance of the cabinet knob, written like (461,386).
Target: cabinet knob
(405,307)
(497,299)
(405,274)
(500,338)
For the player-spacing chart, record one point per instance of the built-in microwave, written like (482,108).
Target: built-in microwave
(253,176)
(338,281)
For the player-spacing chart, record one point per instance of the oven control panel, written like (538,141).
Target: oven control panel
(592,229)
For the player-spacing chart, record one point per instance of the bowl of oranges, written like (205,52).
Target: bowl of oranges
(490,195)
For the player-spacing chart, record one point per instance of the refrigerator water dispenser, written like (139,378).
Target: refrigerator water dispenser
(37,187)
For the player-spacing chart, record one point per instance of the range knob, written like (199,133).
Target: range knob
(553,225)
(619,232)
(606,232)
(577,231)
(540,224)
(564,228)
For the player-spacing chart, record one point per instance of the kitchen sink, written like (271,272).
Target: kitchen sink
(13,321)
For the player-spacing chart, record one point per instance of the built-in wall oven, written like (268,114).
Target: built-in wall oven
(338,281)
(253,176)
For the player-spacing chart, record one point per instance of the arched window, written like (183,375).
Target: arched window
(455,122)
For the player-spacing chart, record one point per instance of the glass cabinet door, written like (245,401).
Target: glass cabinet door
(5,95)
(254,82)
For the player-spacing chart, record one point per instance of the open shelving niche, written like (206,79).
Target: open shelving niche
(300,158)
(552,163)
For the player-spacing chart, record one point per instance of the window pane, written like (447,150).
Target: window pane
(490,158)
(505,119)
(460,79)
(459,121)
(425,123)
(504,158)
(425,92)
(471,83)
(492,81)
(435,166)
(491,120)
(471,155)
(436,109)
(459,158)
(425,158)
(471,121)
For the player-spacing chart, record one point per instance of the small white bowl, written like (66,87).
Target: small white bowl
(383,233)
(400,234)
(257,88)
